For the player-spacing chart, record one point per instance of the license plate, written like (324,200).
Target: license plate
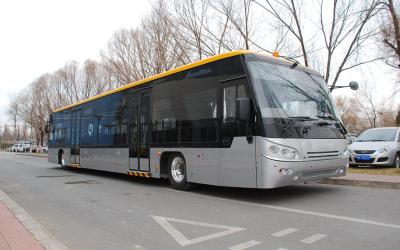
(363,157)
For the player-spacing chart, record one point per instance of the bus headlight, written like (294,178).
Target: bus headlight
(282,152)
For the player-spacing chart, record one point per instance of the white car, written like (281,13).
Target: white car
(13,148)
(376,147)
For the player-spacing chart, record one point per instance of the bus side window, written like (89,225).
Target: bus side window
(232,126)
(230,104)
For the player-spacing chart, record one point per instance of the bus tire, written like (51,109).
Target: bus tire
(61,160)
(177,174)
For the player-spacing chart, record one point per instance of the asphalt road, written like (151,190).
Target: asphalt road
(98,210)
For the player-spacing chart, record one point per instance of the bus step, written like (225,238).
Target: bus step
(138,174)
(74,165)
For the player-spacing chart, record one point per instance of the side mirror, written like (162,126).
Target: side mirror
(244,108)
(353,85)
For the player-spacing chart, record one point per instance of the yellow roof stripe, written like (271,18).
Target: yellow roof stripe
(151,78)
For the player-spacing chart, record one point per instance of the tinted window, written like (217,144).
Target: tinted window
(111,115)
(187,106)
(230,68)
(61,128)
(87,126)
(232,125)
(199,105)
(167,104)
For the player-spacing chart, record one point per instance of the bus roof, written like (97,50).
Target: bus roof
(155,77)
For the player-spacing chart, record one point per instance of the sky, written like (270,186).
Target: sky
(41,36)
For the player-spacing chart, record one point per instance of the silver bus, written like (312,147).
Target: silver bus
(238,119)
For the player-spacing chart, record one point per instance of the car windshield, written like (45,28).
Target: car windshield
(377,135)
(285,92)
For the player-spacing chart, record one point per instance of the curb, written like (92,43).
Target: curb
(34,155)
(44,237)
(362,183)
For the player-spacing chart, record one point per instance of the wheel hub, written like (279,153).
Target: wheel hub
(178,169)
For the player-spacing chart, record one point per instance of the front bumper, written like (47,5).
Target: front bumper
(376,159)
(272,174)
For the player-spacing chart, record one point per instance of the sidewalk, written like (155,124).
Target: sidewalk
(13,235)
(33,154)
(20,231)
(365,180)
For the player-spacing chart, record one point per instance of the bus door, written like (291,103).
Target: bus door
(238,166)
(75,136)
(139,130)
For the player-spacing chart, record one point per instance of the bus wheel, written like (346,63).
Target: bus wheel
(61,160)
(177,172)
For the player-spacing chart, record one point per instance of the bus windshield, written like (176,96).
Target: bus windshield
(283,92)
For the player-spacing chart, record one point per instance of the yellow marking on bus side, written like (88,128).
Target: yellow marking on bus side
(74,165)
(138,174)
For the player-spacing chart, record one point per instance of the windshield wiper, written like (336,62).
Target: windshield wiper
(302,118)
(333,118)
(328,116)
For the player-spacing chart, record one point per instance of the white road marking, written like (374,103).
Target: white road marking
(244,245)
(284,232)
(182,240)
(313,238)
(282,249)
(293,210)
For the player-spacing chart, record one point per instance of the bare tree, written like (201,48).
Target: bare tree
(390,31)
(345,27)
(155,47)
(288,13)
(351,114)
(349,31)
(238,15)
(368,104)
(13,112)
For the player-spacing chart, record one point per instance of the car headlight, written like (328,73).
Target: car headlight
(385,149)
(346,152)
(282,152)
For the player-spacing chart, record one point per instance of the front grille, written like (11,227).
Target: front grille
(365,161)
(364,152)
(319,173)
(322,154)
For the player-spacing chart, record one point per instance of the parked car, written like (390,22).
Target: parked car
(376,147)
(26,147)
(13,148)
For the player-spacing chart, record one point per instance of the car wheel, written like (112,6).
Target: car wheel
(177,174)
(396,163)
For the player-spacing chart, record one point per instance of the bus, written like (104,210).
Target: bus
(237,119)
